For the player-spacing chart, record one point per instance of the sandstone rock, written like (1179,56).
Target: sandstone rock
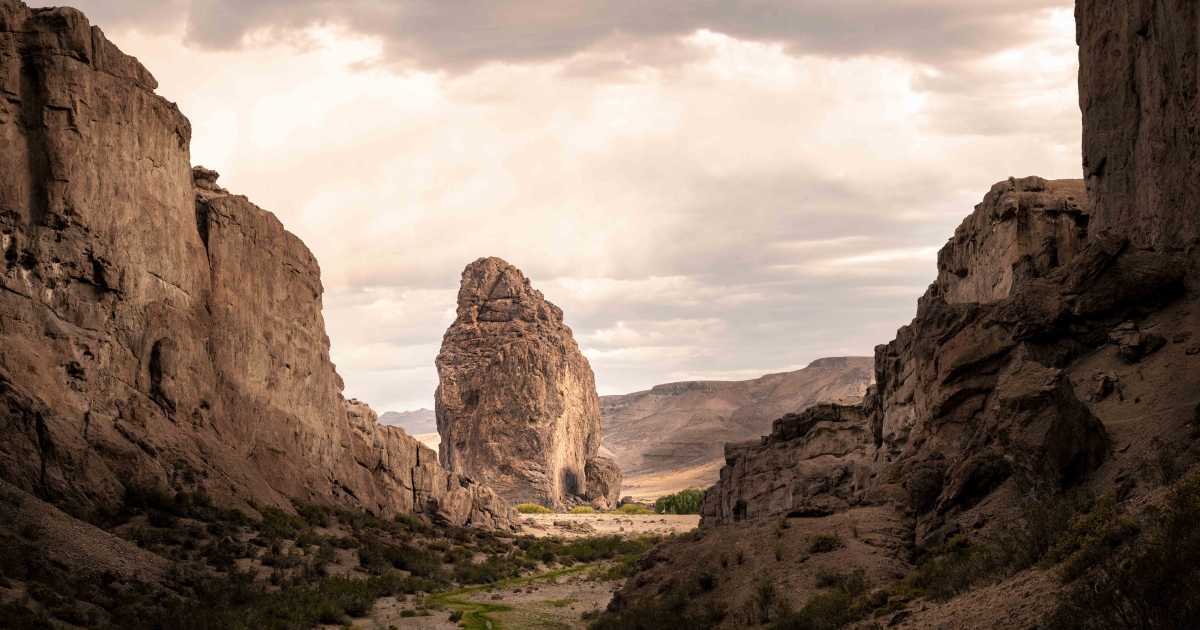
(1134,344)
(1023,229)
(155,329)
(516,403)
(1137,91)
(961,380)
(671,436)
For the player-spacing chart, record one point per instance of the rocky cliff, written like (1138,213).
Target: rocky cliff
(516,403)
(156,330)
(671,436)
(974,392)
(1138,76)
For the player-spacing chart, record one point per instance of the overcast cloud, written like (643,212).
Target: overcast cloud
(708,189)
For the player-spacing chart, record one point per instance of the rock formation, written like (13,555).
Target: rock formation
(516,403)
(974,391)
(155,329)
(1137,91)
(671,436)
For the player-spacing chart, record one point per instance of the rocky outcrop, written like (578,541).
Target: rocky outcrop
(671,436)
(1139,65)
(155,329)
(1024,229)
(973,392)
(516,403)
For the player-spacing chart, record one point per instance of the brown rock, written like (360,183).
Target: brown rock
(1023,229)
(516,403)
(958,382)
(1137,91)
(155,329)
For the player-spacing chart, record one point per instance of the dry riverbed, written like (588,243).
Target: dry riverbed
(553,599)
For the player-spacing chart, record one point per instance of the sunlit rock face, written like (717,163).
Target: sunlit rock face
(516,402)
(155,329)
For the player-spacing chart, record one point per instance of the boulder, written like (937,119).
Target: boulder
(516,400)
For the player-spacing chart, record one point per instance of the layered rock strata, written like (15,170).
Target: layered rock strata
(156,330)
(516,402)
(671,436)
(973,392)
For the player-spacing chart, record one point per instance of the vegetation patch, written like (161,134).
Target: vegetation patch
(533,508)
(682,502)
(632,508)
(583,509)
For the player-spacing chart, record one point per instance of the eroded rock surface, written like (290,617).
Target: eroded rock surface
(155,329)
(516,403)
(1138,66)
(973,392)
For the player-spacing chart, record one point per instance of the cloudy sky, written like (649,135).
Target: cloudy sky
(708,188)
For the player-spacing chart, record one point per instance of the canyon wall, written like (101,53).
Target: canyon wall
(516,401)
(1138,80)
(156,330)
(973,392)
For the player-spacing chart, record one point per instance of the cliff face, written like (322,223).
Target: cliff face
(671,437)
(516,403)
(1138,75)
(155,329)
(974,392)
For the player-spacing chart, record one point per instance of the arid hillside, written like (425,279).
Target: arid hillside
(672,436)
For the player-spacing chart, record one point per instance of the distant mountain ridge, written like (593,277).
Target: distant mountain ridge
(672,436)
(418,422)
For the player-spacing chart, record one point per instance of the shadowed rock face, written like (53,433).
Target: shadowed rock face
(1139,66)
(973,392)
(516,403)
(155,329)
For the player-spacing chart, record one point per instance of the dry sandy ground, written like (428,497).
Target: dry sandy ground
(576,525)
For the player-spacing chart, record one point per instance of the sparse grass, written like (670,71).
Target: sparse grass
(533,508)
(583,509)
(632,509)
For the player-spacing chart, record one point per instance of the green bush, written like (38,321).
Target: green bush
(533,508)
(632,508)
(582,509)
(682,502)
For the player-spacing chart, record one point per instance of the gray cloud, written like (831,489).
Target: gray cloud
(462,35)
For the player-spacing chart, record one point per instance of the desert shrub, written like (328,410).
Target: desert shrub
(632,508)
(671,613)
(492,569)
(707,581)
(533,508)
(456,615)
(764,599)
(847,601)
(378,558)
(408,613)
(682,502)
(823,542)
(583,509)
(1148,582)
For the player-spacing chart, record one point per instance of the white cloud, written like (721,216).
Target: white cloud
(698,204)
